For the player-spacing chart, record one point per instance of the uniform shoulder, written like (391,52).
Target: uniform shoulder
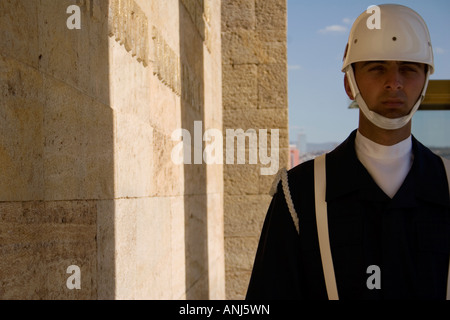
(427,157)
(301,178)
(302,170)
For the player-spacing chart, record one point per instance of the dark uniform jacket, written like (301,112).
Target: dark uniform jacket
(407,237)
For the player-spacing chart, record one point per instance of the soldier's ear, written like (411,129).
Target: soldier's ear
(347,88)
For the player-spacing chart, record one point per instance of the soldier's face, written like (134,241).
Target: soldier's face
(390,88)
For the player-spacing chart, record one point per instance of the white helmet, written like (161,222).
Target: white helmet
(402,36)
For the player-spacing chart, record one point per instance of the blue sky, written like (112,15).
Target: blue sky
(317,34)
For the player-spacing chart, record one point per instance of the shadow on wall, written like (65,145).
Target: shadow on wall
(195,179)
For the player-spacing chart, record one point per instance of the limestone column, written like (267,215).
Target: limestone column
(254,62)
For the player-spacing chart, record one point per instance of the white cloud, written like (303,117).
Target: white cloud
(295,67)
(347,21)
(334,29)
(439,50)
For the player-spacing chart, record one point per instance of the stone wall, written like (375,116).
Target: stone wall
(86,170)
(56,149)
(168,229)
(90,132)
(254,61)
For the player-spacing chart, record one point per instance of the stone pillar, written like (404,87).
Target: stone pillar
(168,225)
(254,62)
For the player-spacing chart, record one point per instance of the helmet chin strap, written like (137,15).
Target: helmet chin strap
(377,119)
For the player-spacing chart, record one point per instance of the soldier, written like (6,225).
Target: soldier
(377,203)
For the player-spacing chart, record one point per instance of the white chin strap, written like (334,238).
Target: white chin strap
(378,119)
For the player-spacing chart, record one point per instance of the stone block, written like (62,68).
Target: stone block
(78,147)
(98,140)
(93,52)
(165,16)
(215,218)
(21,132)
(128,25)
(134,157)
(161,103)
(59,46)
(240,87)
(272,86)
(245,214)
(39,241)
(238,14)
(256,119)
(239,179)
(106,250)
(199,289)
(76,57)
(20,37)
(214,182)
(240,46)
(213,10)
(240,253)
(178,263)
(168,178)
(271,15)
(154,249)
(196,244)
(216,247)
(217,279)
(166,62)
(272,47)
(237,284)
(134,100)
(213,90)
(126,257)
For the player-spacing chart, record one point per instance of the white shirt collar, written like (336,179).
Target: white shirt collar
(378,151)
